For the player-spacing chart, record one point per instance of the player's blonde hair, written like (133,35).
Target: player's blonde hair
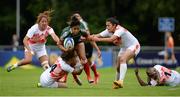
(45,14)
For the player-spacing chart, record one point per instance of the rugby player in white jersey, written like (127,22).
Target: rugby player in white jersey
(159,76)
(34,41)
(129,47)
(63,65)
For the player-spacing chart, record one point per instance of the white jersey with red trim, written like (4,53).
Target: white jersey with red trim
(167,76)
(127,39)
(61,69)
(38,37)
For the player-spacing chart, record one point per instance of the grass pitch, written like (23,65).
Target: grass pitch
(22,82)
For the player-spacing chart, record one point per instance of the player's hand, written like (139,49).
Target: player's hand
(136,71)
(31,52)
(117,42)
(99,53)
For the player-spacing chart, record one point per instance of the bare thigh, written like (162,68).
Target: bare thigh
(80,48)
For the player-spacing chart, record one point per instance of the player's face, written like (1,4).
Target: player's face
(43,23)
(110,27)
(75,29)
(78,16)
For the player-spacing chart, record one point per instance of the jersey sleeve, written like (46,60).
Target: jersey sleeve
(31,31)
(67,68)
(50,31)
(83,25)
(104,33)
(64,33)
(119,32)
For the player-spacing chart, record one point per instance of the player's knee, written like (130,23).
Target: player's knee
(45,65)
(122,60)
(84,60)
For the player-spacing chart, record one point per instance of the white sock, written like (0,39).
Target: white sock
(123,69)
(117,76)
(15,65)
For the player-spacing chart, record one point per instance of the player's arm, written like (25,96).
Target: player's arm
(60,46)
(25,42)
(98,35)
(141,82)
(55,38)
(93,43)
(110,39)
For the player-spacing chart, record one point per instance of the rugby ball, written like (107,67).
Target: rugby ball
(69,43)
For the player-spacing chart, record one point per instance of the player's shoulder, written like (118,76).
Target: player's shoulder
(121,29)
(66,29)
(35,26)
(65,32)
(49,27)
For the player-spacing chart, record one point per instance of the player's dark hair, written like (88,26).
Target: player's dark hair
(74,21)
(66,56)
(113,21)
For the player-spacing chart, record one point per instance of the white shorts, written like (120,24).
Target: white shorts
(47,81)
(135,48)
(38,49)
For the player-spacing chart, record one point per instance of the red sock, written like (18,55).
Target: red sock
(87,70)
(93,67)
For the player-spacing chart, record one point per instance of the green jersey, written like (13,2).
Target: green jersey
(83,25)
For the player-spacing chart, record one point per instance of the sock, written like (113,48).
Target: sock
(87,70)
(16,65)
(123,69)
(117,76)
(45,65)
(93,67)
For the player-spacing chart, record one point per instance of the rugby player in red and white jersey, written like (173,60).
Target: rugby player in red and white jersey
(34,41)
(158,76)
(129,45)
(63,65)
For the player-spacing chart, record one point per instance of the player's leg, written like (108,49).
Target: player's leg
(62,85)
(93,68)
(117,72)
(77,79)
(43,58)
(173,58)
(117,67)
(129,53)
(166,57)
(80,48)
(44,62)
(123,66)
(27,59)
